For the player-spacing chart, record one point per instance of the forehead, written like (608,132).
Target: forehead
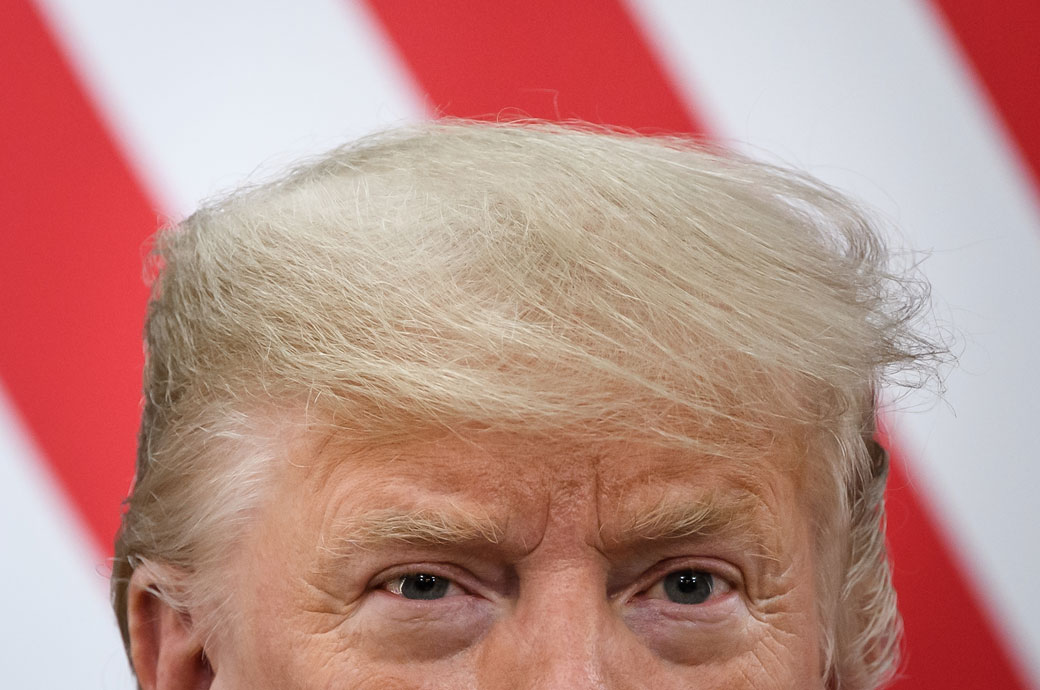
(513,485)
(510,462)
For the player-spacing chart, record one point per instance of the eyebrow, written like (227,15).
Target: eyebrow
(386,527)
(736,517)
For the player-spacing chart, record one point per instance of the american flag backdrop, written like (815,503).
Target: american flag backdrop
(116,115)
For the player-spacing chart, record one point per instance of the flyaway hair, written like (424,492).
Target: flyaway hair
(534,279)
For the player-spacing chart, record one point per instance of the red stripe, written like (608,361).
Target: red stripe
(946,638)
(542,58)
(72,296)
(1002,43)
(559,60)
(949,641)
(71,293)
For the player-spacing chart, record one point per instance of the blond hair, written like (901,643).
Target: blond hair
(534,279)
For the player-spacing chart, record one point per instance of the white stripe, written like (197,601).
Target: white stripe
(868,96)
(58,630)
(872,98)
(197,94)
(203,92)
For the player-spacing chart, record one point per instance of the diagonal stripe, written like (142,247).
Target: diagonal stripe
(949,641)
(58,599)
(537,102)
(253,94)
(71,293)
(1000,41)
(471,63)
(544,59)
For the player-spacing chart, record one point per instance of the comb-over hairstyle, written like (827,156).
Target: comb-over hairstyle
(531,279)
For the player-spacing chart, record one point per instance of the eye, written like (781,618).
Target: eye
(422,586)
(688,586)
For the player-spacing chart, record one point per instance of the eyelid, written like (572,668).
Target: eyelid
(457,578)
(720,586)
(724,574)
(395,585)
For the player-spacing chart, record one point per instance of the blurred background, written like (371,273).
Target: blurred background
(117,116)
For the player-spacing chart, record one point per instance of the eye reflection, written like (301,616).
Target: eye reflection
(688,586)
(422,586)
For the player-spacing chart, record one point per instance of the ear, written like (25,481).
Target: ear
(166,651)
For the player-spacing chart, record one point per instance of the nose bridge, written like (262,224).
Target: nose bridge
(570,646)
(561,634)
(562,630)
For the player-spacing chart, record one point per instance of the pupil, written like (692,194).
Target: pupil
(688,586)
(423,586)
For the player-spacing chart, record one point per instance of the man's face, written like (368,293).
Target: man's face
(521,564)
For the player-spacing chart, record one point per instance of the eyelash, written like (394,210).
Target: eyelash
(397,584)
(721,583)
(693,578)
(393,581)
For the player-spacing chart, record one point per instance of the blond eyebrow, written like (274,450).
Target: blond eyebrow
(430,526)
(736,517)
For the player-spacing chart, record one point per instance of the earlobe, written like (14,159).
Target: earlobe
(166,651)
